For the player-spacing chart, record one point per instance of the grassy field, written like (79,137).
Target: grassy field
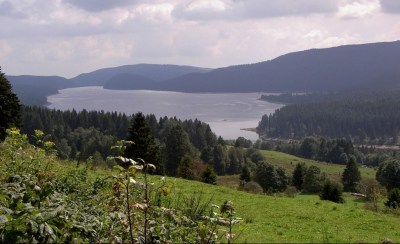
(304,218)
(288,162)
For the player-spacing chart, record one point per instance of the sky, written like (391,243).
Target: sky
(69,37)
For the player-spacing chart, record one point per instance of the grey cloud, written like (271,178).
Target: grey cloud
(390,6)
(263,9)
(100,5)
(181,11)
(250,9)
(7,9)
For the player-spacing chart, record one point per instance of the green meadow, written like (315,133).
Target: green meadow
(304,218)
(288,162)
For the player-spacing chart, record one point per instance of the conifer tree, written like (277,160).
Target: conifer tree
(209,176)
(176,147)
(298,175)
(9,107)
(145,146)
(245,176)
(351,175)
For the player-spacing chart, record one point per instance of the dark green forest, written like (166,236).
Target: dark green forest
(364,121)
(84,134)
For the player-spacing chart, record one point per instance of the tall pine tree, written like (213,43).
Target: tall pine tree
(298,175)
(351,176)
(177,146)
(9,107)
(145,145)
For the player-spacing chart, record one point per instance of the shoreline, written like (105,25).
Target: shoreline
(249,129)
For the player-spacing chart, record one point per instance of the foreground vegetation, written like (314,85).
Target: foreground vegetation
(44,199)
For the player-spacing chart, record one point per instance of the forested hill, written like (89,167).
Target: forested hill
(33,90)
(155,72)
(374,121)
(129,82)
(368,66)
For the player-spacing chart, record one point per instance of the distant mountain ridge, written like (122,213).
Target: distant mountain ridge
(33,90)
(344,68)
(155,72)
(129,82)
(324,70)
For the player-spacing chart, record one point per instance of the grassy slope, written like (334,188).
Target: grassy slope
(304,218)
(289,162)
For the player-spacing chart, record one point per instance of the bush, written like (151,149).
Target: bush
(332,191)
(252,187)
(209,176)
(393,198)
(291,191)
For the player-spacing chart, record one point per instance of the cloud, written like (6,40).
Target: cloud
(390,6)
(100,5)
(263,9)
(251,9)
(8,9)
(202,10)
(358,9)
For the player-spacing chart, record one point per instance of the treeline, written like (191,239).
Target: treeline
(374,121)
(84,134)
(336,150)
(318,97)
(294,98)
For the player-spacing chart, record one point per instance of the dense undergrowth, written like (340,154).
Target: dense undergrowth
(47,201)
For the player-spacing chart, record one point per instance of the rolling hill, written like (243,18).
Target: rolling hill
(343,68)
(155,72)
(33,90)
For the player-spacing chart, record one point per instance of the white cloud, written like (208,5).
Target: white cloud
(358,9)
(202,10)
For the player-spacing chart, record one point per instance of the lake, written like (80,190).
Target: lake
(226,113)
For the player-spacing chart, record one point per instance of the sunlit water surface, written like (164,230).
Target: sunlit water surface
(226,113)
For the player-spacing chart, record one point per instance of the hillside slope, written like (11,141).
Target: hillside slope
(351,67)
(33,90)
(156,72)
(129,82)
